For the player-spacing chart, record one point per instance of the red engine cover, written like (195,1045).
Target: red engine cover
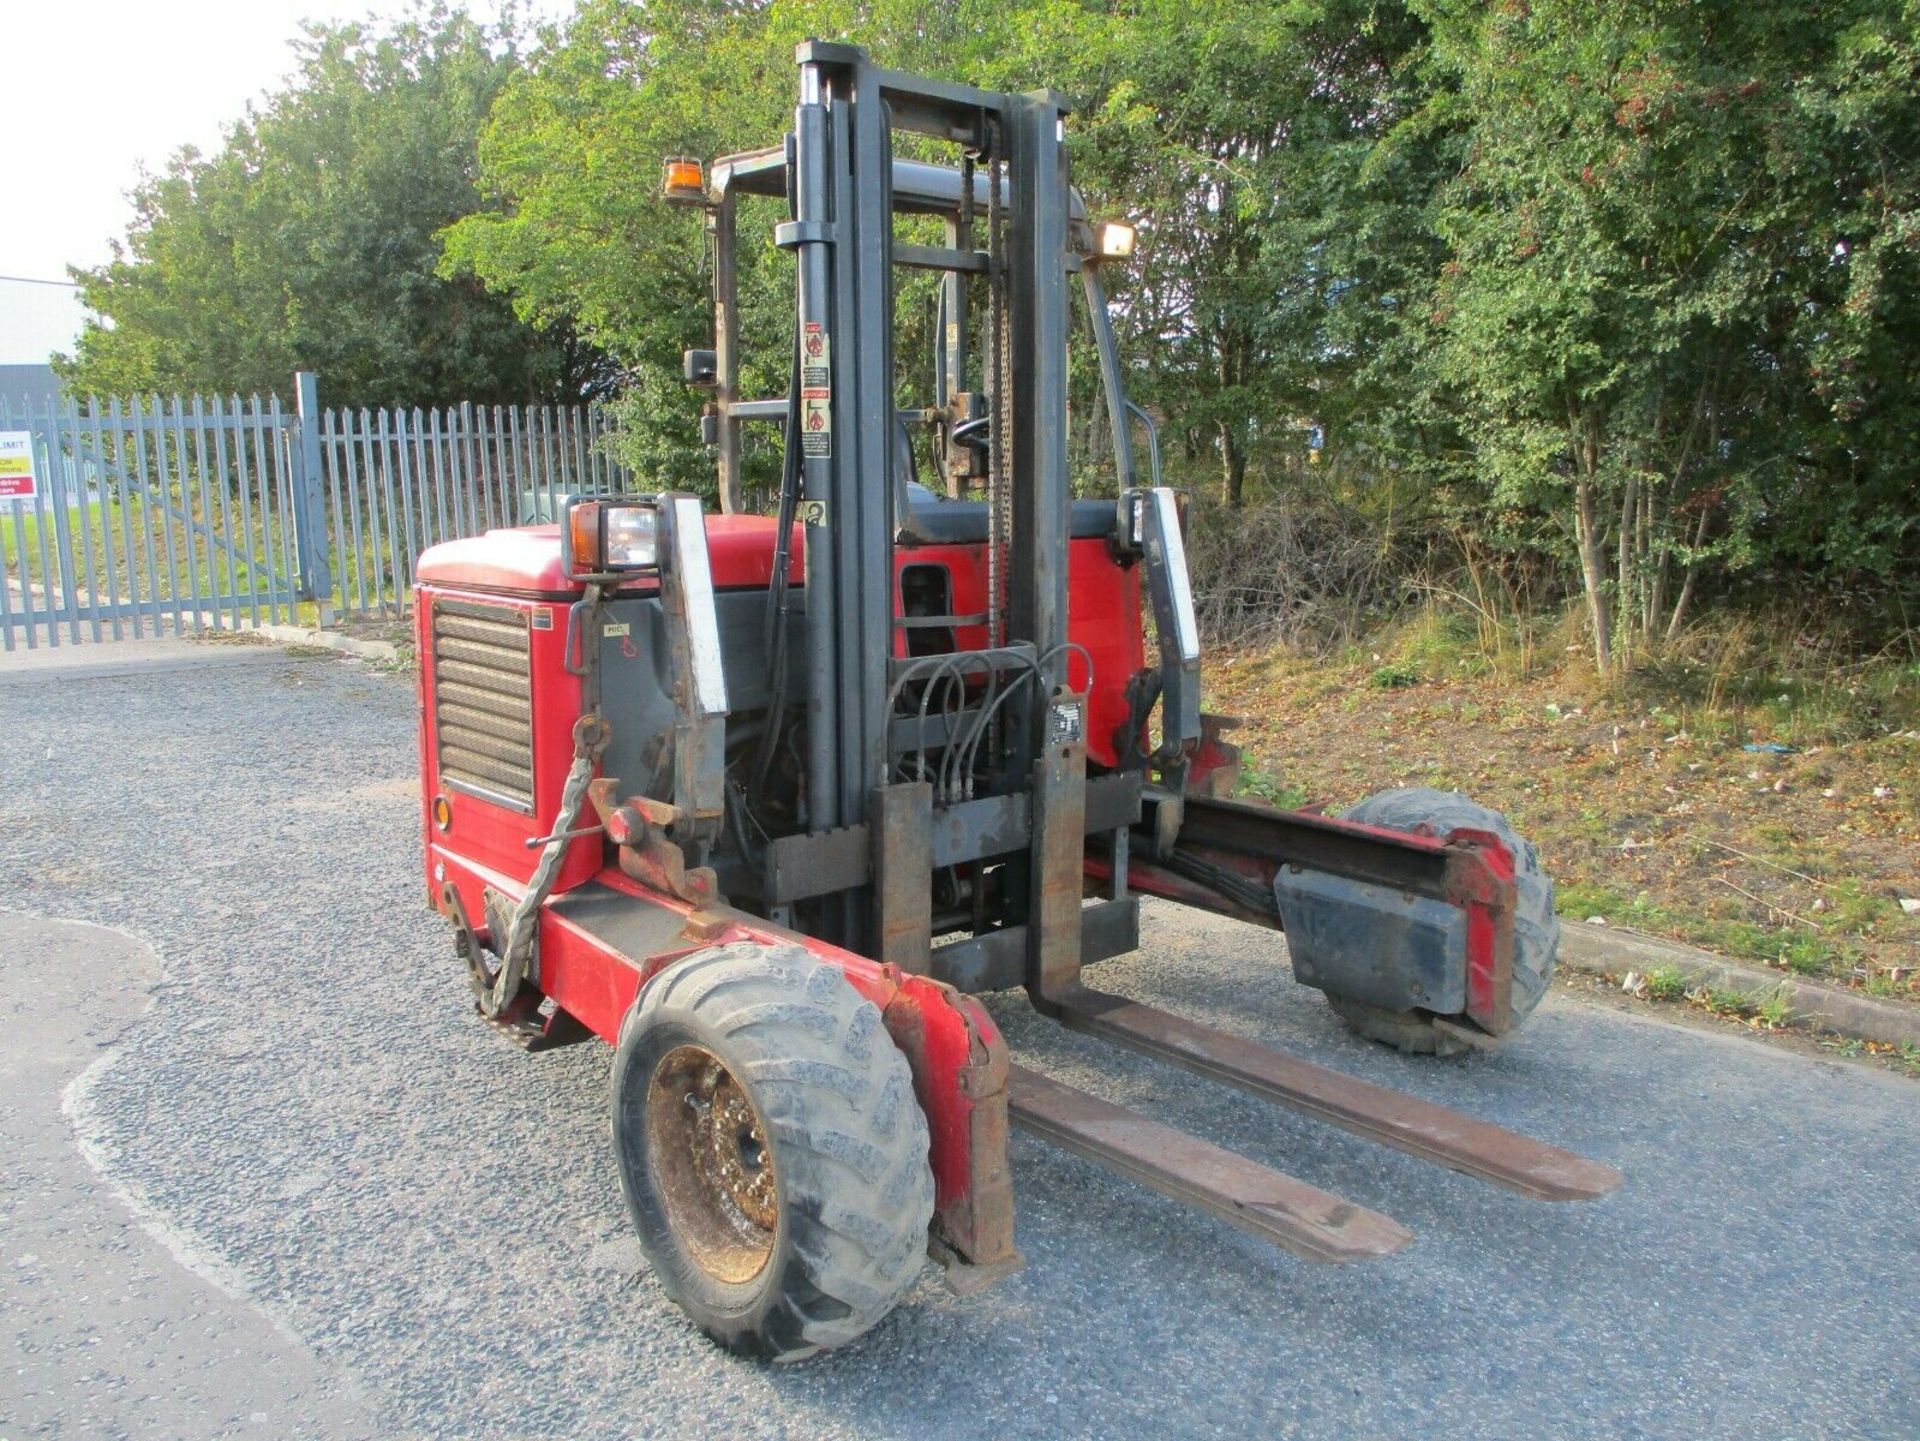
(1103,595)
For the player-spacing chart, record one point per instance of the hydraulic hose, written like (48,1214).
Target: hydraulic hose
(774,639)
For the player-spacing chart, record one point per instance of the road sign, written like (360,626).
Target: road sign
(17,480)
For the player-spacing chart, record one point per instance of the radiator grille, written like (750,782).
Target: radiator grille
(483,701)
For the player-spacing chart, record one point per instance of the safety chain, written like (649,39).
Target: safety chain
(591,733)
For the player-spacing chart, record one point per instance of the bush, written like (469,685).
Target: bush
(1299,571)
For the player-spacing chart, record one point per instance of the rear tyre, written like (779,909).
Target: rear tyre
(1536,929)
(771,1151)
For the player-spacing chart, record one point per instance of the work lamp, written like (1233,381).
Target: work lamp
(629,536)
(605,536)
(1113,239)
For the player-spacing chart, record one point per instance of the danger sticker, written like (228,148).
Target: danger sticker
(816,425)
(816,391)
(816,357)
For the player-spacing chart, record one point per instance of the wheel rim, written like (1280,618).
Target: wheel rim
(707,1148)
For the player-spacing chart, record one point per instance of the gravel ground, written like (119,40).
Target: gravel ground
(310,1105)
(118,1327)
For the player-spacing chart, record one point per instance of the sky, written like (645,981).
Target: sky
(115,85)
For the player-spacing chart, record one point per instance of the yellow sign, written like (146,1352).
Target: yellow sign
(17,480)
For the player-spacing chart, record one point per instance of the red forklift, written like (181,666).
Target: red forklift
(765,801)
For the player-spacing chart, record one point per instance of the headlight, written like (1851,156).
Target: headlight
(630,536)
(604,536)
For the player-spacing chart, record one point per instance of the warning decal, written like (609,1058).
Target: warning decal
(816,391)
(17,481)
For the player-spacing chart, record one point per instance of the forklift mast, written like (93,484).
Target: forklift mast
(1009,211)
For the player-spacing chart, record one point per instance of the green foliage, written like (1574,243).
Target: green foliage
(581,238)
(1774,1008)
(1393,677)
(1666,983)
(1622,300)
(1677,308)
(1727,1001)
(1236,135)
(1208,123)
(310,240)
(1275,790)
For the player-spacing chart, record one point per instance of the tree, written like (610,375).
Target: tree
(310,241)
(1628,288)
(1230,132)
(573,153)
(1235,134)
(1662,313)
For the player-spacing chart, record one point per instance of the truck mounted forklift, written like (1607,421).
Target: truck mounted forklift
(767,801)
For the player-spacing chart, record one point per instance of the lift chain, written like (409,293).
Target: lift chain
(999,398)
(1000,422)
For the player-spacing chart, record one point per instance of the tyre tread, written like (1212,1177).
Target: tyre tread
(852,1158)
(1536,927)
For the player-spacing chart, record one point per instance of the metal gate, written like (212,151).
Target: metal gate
(398,481)
(144,516)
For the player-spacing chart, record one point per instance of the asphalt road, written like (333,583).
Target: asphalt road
(333,1196)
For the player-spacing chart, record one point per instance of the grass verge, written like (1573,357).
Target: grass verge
(1756,797)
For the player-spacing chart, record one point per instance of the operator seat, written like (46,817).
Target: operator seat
(937,521)
(933,519)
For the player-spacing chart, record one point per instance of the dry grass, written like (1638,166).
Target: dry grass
(1641,791)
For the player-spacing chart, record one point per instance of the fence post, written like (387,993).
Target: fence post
(313,552)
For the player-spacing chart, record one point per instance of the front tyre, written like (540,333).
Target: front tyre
(771,1150)
(1536,929)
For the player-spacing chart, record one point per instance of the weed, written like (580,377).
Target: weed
(1807,956)
(1774,1009)
(1903,1059)
(1855,910)
(1447,642)
(1803,953)
(1271,788)
(1801,879)
(1727,1002)
(1666,983)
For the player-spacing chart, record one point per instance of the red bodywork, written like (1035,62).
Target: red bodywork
(1479,873)
(526,564)
(958,1057)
